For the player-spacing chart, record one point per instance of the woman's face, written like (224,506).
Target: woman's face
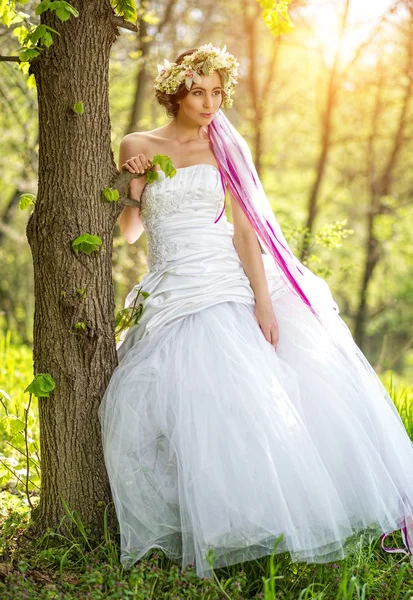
(202,101)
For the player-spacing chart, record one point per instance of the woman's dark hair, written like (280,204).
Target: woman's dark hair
(170,101)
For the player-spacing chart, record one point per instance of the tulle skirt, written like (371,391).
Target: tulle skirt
(220,448)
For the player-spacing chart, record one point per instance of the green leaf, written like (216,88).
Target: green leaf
(80,325)
(47,39)
(126,8)
(63,14)
(41,386)
(70,8)
(81,292)
(62,9)
(4,395)
(20,33)
(26,200)
(78,108)
(86,243)
(37,33)
(10,16)
(151,176)
(111,195)
(15,425)
(44,5)
(165,163)
(29,53)
(277,19)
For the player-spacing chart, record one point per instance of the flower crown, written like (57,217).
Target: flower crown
(205,60)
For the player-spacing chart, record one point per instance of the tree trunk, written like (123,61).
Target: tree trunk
(258,97)
(75,165)
(144,45)
(141,78)
(382,188)
(326,132)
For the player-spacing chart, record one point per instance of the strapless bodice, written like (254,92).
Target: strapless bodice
(178,213)
(192,261)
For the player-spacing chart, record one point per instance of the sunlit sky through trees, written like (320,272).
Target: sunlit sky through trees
(363,17)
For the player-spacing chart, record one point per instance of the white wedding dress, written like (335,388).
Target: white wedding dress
(213,439)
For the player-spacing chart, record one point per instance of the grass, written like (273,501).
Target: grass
(63,564)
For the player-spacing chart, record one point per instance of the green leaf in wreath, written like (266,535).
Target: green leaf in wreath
(26,200)
(86,243)
(110,194)
(41,386)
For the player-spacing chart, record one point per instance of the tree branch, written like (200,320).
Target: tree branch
(10,59)
(120,22)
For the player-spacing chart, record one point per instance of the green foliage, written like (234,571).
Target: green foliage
(111,194)
(151,176)
(276,17)
(9,15)
(62,9)
(126,317)
(126,9)
(33,40)
(165,164)
(41,386)
(40,36)
(86,243)
(18,425)
(26,200)
(78,108)
(80,325)
(329,236)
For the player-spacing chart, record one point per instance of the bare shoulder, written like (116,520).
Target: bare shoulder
(142,141)
(135,139)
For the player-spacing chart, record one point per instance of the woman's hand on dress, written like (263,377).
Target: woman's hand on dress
(137,164)
(264,313)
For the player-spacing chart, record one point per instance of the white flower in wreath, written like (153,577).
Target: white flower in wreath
(164,71)
(191,76)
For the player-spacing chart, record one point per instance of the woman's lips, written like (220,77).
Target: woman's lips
(207,114)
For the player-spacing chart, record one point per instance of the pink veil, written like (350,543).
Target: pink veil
(238,171)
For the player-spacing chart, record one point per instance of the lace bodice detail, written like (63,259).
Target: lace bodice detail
(170,205)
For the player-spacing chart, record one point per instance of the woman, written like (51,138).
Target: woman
(242,416)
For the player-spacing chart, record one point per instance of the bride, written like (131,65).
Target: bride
(242,417)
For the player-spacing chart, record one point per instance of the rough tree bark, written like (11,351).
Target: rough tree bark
(75,165)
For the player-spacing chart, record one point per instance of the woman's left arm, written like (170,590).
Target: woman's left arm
(248,248)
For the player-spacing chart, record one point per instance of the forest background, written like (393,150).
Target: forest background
(327,110)
(328,113)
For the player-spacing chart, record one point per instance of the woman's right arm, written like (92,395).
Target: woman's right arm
(129,160)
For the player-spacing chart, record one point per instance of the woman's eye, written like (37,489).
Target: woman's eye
(198,92)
